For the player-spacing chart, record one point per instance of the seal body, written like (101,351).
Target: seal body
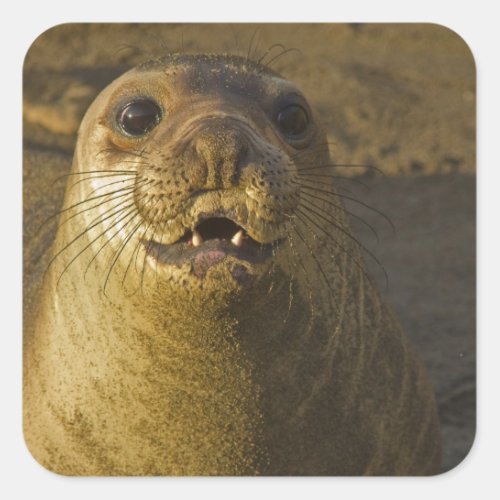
(206,310)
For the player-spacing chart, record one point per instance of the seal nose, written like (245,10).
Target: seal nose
(223,148)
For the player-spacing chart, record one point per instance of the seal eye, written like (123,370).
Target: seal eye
(138,117)
(292,121)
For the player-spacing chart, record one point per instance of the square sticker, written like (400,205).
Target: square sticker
(249,249)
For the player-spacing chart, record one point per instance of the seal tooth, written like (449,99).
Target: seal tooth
(196,239)
(237,239)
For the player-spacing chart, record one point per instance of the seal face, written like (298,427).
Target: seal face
(258,344)
(209,149)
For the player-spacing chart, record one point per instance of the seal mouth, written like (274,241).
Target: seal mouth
(210,242)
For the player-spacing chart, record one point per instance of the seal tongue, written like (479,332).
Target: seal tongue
(203,261)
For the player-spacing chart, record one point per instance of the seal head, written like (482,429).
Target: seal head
(208,150)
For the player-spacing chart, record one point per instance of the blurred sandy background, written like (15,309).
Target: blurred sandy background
(400,97)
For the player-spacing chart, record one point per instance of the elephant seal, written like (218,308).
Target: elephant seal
(206,310)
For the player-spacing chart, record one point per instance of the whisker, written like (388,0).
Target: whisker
(113,207)
(306,274)
(117,232)
(271,285)
(284,52)
(340,207)
(146,253)
(148,248)
(254,34)
(336,177)
(271,270)
(350,236)
(157,256)
(53,216)
(115,259)
(131,153)
(258,39)
(311,252)
(304,220)
(340,165)
(93,198)
(136,250)
(97,172)
(87,229)
(355,200)
(133,162)
(132,183)
(338,187)
(291,294)
(127,46)
(92,177)
(108,241)
(93,207)
(89,244)
(126,191)
(137,254)
(270,49)
(324,147)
